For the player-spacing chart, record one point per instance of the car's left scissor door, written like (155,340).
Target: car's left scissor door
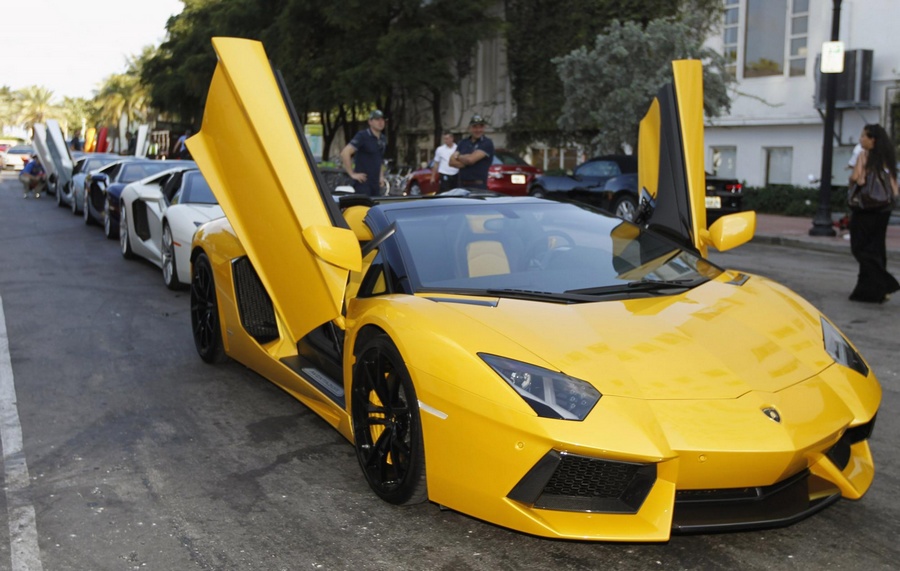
(252,152)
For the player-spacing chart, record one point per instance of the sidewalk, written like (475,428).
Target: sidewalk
(794,232)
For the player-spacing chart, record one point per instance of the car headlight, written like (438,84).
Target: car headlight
(549,393)
(840,350)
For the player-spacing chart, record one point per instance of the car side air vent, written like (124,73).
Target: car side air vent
(254,303)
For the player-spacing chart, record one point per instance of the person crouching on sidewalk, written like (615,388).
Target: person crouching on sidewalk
(33,178)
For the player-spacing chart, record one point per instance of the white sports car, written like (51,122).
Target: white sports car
(158,218)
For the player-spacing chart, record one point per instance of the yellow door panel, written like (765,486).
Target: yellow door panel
(262,175)
(670,163)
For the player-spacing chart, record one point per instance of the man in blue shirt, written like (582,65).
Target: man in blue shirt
(473,156)
(368,148)
(33,178)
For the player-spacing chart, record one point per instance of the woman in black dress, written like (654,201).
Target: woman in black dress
(868,228)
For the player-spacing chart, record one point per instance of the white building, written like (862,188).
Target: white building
(774,132)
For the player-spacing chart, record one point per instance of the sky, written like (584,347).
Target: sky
(70,46)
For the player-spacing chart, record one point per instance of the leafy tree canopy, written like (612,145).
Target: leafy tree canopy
(540,30)
(609,86)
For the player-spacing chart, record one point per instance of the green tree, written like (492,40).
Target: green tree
(121,95)
(429,47)
(540,30)
(32,105)
(7,107)
(609,86)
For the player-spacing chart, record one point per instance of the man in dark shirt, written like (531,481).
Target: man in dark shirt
(368,148)
(473,156)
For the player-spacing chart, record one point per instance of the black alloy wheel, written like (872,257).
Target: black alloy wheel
(107,221)
(387,429)
(205,312)
(169,269)
(537,191)
(124,240)
(86,209)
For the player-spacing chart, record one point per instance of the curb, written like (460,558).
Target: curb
(892,255)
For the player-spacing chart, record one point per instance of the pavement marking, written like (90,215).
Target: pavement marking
(23,540)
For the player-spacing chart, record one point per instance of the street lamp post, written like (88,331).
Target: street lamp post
(822,224)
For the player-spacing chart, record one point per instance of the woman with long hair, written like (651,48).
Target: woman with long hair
(868,227)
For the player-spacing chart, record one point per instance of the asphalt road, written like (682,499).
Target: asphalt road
(140,456)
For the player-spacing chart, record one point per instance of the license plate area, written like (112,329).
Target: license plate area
(517,178)
(714,202)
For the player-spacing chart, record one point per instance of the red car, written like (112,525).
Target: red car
(508,174)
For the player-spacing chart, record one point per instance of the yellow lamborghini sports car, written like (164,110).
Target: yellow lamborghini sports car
(539,365)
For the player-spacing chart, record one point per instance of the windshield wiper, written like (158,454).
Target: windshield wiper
(642,286)
(534,295)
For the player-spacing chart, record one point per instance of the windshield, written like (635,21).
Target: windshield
(196,190)
(538,248)
(133,172)
(93,164)
(507,158)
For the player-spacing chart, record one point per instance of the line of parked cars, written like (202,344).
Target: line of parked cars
(151,207)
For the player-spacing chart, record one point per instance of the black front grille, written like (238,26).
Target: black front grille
(568,482)
(839,454)
(254,303)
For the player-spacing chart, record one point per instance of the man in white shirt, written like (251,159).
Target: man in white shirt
(441,164)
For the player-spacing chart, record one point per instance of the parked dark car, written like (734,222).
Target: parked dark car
(608,182)
(595,183)
(508,174)
(723,196)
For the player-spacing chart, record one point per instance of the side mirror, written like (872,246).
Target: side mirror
(337,246)
(732,230)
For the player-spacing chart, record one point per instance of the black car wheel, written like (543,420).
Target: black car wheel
(537,191)
(124,241)
(169,269)
(205,312)
(86,209)
(625,207)
(107,221)
(414,189)
(387,429)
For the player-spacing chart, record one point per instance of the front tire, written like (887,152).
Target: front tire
(205,312)
(124,240)
(537,192)
(107,221)
(625,207)
(387,429)
(86,210)
(169,267)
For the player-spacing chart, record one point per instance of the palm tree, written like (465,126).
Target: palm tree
(33,105)
(121,95)
(7,108)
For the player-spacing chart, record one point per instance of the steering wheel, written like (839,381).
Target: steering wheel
(540,249)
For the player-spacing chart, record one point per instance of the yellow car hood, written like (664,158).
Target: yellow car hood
(717,341)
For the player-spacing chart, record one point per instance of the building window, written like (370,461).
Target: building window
(799,25)
(730,35)
(723,162)
(779,161)
(764,38)
(775,37)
